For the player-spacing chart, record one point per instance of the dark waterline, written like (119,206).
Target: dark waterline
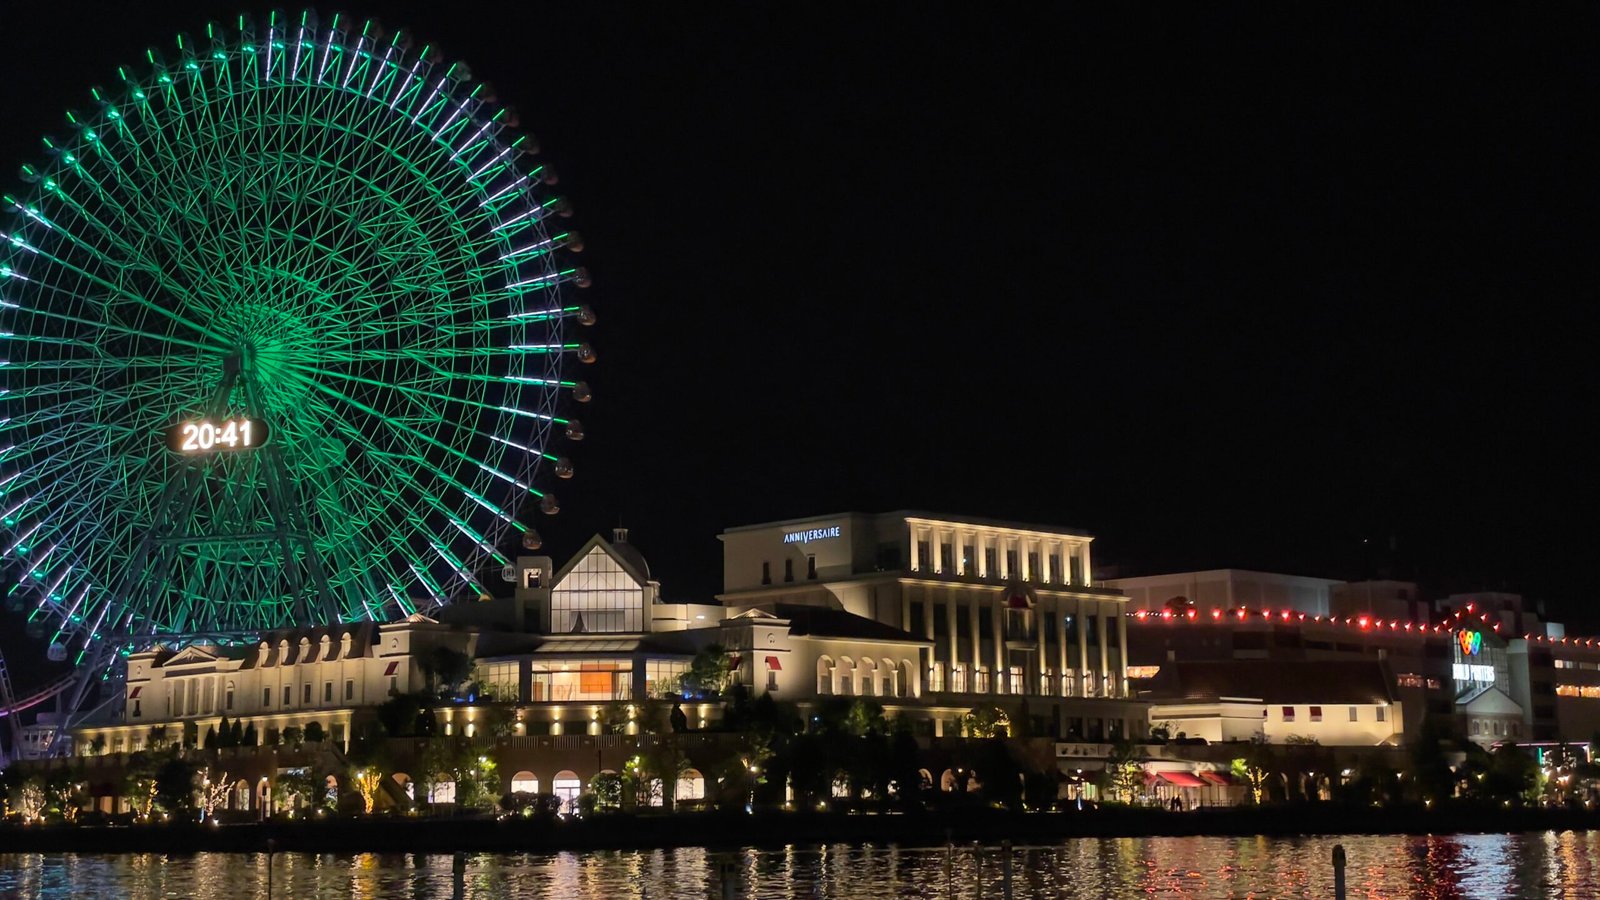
(1535,864)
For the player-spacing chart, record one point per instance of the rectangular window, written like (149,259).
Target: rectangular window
(394,684)
(947,559)
(1033,567)
(1091,627)
(1055,568)
(228,699)
(1011,564)
(661,676)
(1355,714)
(1076,570)
(137,712)
(772,679)
(349,689)
(788,570)
(1383,712)
(766,572)
(598,596)
(924,557)
(1288,714)
(1316,714)
(307,695)
(266,698)
(968,557)
(288,695)
(501,680)
(327,692)
(991,564)
(811,568)
(600,680)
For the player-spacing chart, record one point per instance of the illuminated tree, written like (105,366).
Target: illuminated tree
(214,794)
(367,782)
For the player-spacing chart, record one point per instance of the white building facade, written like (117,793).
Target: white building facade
(1008,610)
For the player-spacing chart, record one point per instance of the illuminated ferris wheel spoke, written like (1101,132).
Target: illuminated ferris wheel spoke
(314,229)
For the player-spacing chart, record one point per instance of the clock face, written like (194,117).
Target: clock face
(207,436)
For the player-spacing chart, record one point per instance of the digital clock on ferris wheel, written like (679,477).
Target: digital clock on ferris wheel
(207,436)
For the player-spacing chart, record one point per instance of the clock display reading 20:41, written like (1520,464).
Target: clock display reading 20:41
(206,436)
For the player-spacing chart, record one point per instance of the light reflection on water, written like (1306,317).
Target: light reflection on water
(1545,864)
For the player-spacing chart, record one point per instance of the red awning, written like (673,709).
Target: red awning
(1181,779)
(134,694)
(390,670)
(734,661)
(1221,779)
(772,663)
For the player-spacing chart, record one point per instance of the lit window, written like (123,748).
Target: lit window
(597,596)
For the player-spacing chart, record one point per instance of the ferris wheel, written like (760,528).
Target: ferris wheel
(286,328)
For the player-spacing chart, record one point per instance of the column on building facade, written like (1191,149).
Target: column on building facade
(905,606)
(915,556)
(952,654)
(1083,651)
(1061,644)
(1002,670)
(1039,626)
(1122,648)
(1105,642)
(977,642)
(1083,554)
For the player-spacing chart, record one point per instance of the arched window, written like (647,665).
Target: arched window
(443,790)
(524,783)
(567,787)
(691,786)
(890,673)
(825,672)
(869,677)
(947,781)
(840,788)
(846,680)
(408,786)
(241,795)
(924,780)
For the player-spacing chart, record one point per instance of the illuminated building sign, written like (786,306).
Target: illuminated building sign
(814,534)
(1471,642)
(1464,672)
(1143,671)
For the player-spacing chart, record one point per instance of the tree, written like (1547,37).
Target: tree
(298,786)
(315,733)
(175,786)
(210,740)
(707,674)
(607,790)
(1123,774)
(398,714)
(247,738)
(986,721)
(614,717)
(367,781)
(452,759)
(446,670)
(293,735)
(139,784)
(214,794)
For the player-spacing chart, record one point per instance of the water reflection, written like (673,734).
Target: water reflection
(1546,864)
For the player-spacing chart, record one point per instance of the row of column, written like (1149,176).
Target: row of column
(1075,659)
(934,539)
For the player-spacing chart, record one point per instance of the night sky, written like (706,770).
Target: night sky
(1308,291)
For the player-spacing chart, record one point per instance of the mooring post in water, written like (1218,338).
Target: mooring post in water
(1005,869)
(272,847)
(949,865)
(1338,872)
(458,871)
(977,865)
(727,879)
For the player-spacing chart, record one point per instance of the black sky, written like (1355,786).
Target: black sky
(1236,288)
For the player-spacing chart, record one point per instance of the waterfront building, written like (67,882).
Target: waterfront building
(1228,589)
(1343,703)
(1008,611)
